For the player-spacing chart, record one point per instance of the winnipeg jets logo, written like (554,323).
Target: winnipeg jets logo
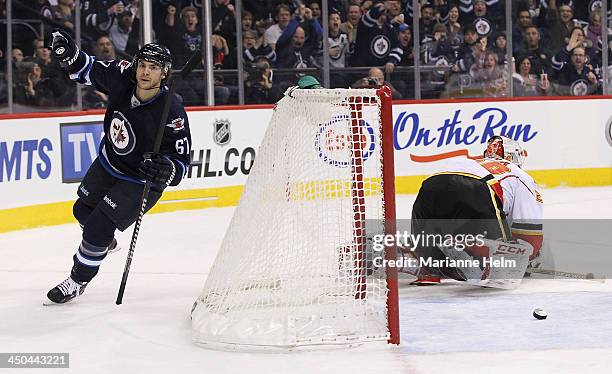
(380,46)
(121,134)
(579,88)
(60,50)
(483,26)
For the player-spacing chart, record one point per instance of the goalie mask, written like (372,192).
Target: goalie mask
(156,53)
(504,148)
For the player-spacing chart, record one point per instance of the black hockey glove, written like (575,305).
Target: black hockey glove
(63,47)
(157,169)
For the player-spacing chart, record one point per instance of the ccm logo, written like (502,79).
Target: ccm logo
(504,248)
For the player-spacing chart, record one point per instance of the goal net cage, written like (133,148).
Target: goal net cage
(295,269)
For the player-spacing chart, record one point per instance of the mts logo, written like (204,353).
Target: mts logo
(22,159)
(80,143)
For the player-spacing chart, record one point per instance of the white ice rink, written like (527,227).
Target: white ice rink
(444,329)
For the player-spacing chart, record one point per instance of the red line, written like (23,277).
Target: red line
(503,99)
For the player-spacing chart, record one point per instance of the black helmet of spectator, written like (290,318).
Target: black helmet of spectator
(155,53)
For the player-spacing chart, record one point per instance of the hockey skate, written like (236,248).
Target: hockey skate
(113,247)
(65,291)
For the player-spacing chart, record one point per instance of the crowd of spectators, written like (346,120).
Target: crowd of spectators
(462,46)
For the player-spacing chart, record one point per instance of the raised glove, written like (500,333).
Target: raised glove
(157,169)
(63,47)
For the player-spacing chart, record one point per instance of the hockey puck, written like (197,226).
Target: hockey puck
(590,276)
(539,314)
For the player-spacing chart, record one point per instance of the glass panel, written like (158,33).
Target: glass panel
(557,49)
(3,61)
(39,84)
(463,49)
(180,29)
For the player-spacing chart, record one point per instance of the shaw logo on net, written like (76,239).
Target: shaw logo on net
(333,141)
(457,130)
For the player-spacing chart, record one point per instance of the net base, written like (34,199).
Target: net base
(311,327)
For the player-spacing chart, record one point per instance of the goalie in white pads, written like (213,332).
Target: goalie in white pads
(491,197)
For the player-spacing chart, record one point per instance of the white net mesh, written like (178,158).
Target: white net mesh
(292,268)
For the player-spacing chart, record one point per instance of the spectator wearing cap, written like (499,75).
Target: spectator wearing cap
(123,30)
(404,81)
(537,52)
(405,43)
(183,37)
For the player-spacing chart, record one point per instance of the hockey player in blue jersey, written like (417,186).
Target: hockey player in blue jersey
(110,192)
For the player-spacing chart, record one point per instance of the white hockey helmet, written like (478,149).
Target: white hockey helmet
(502,147)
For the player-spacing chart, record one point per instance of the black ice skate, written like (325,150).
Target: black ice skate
(66,291)
(113,247)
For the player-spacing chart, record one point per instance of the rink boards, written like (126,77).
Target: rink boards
(42,159)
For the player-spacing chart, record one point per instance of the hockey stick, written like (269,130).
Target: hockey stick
(193,61)
(566,274)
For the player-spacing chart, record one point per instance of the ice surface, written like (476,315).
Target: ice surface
(445,329)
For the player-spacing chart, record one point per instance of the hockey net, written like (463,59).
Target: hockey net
(292,271)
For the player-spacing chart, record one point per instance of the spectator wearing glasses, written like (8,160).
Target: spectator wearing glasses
(574,76)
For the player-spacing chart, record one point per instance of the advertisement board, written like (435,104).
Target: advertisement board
(43,159)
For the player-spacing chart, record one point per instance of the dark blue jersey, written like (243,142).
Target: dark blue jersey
(130,126)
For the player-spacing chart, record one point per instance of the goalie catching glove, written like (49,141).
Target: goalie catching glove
(158,169)
(63,47)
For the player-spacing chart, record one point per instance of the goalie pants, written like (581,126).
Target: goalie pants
(457,204)
(105,204)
